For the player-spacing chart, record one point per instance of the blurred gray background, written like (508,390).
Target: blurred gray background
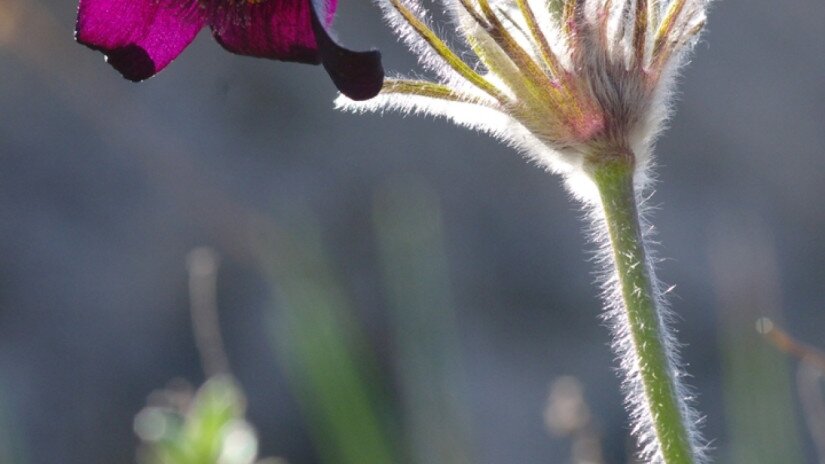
(106,185)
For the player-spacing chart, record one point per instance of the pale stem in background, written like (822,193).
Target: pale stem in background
(202,264)
(567,414)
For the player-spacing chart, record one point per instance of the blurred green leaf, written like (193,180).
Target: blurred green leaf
(11,445)
(326,357)
(759,398)
(407,219)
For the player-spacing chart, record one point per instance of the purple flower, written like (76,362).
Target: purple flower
(141,37)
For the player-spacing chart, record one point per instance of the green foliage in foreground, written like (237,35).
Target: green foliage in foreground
(204,427)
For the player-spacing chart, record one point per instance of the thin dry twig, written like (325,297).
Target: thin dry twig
(787,344)
(809,377)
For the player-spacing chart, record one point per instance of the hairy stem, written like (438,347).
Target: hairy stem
(648,359)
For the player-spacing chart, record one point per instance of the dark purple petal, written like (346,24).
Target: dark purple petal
(138,37)
(290,30)
(358,75)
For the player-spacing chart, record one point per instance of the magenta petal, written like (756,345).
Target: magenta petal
(276,29)
(290,30)
(138,37)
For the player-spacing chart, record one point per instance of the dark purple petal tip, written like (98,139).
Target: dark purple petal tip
(139,38)
(358,75)
(131,61)
(290,30)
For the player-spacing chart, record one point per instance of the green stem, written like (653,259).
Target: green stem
(648,341)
